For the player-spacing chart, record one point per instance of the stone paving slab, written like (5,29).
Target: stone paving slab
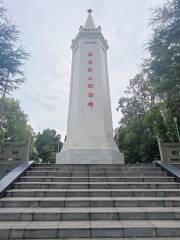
(102,183)
(94,168)
(94,190)
(96,213)
(93,209)
(90,178)
(91,202)
(95,224)
(156,238)
(97,185)
(72,199)
(91,228)
(86,175)
(93,193)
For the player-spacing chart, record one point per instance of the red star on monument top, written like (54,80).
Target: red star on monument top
(89,10)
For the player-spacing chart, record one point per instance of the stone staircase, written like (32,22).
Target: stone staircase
(92,201)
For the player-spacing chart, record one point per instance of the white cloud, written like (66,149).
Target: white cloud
(48,28)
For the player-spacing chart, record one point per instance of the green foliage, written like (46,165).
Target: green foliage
(12,55)
(152,98)
(46,144)
(136,136)
(13,121)
(164,48)
(14,126)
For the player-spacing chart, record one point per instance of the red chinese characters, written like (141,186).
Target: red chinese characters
(90,62)
(90,85)
(90,54)
(90,94)
(90,103)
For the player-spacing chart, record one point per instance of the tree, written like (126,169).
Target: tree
(164,47)
(136,137)
(152,98)
(145,117)
(15,125)
(164,63)
(12,57)
(46,144)
(139,96)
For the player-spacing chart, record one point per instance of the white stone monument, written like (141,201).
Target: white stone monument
(89,131)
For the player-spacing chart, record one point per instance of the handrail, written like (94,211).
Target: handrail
(172,170)
(7,181)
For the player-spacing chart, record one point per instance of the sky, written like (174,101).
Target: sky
(48,27)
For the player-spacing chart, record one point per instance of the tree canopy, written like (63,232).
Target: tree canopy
(15,125)
(12,54)
(46,144)
(152,98)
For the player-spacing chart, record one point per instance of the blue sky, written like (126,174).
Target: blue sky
(48,26)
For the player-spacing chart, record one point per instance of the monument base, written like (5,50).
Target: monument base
(89,156)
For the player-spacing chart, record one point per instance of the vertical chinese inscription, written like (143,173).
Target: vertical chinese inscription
(90,83)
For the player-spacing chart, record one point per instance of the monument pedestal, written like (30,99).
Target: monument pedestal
(90,150)
(89,156)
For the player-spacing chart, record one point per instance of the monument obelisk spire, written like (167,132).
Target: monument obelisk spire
(89,130)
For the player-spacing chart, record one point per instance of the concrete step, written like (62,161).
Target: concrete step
(85,214)
(94,166)
(94,174)
(87,229)
(95,179)
(119,238)
(90,202)
(96,185)
(93,193)
(98,170)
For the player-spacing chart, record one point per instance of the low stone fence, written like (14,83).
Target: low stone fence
(169,152)
(10,151)
(11,155)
